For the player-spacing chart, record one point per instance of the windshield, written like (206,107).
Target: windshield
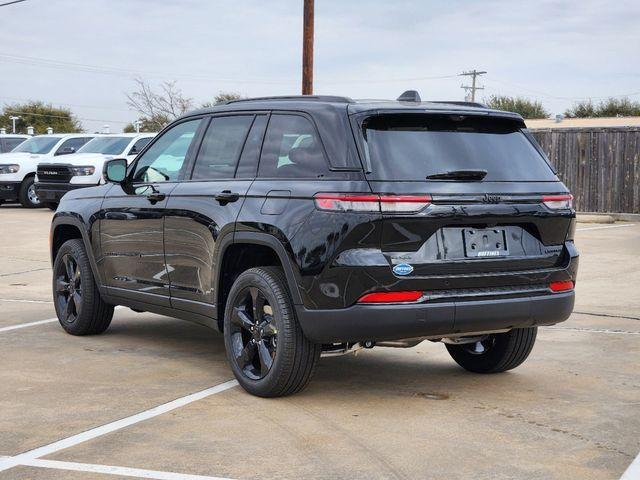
(413,146)
(106,145)
(39,145)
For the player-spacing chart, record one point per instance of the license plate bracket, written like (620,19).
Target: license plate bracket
(485,242)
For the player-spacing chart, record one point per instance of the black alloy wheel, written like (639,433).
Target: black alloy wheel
(497,352)
(480,347)
(79,306)
(266,347)
(68,292)
(253,332)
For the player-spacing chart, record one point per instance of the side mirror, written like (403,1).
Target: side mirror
(115,171)
(66,151)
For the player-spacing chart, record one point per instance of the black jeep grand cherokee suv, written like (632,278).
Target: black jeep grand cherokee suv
(302,225)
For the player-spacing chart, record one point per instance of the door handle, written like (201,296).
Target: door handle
(156,197)
(226,196)
(119,216)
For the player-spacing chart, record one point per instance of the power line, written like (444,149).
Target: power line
(389,80)
(66,117)
(63,104)
(11,3)
(557,97)
(473,74)
(110,70)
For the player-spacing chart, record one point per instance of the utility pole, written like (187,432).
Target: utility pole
(473,74)
(307,49)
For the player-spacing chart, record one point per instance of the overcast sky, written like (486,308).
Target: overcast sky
(84,54)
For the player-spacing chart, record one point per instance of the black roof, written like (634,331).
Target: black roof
(306,98)
(331,116)
(318,103)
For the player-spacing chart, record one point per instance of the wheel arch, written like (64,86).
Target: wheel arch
(265,249)
(67,227)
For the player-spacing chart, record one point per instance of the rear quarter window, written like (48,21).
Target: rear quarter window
(412,146)
(292,149)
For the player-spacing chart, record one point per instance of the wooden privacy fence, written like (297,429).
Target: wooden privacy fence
(601,165)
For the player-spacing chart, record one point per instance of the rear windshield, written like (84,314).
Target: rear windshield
(40,145)
(412,146)
(106,145)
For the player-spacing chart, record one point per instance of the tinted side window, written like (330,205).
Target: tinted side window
(164,160)
(291,149)
(248,164)
(72,145)
(221,147)
(139,145)
(11,143)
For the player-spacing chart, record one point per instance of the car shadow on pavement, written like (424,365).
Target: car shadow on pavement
(425,372)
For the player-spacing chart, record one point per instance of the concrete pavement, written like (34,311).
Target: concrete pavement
(571,411)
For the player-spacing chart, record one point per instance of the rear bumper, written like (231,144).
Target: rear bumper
(9,190)
(53,192)
(393,322)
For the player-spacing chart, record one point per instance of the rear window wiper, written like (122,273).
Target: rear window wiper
(459,175)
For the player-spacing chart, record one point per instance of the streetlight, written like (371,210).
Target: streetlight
(137,124)
(13,121)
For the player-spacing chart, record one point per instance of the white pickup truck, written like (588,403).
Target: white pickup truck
(18,167)
(9,141)
(84,169)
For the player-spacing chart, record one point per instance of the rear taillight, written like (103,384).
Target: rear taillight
(349,202)
(342,202)
(561,286)
(391,297)
(404,203)
(558,202)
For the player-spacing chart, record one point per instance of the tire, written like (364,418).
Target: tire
(79,306)
(51,206)
(27,195)
(502,351)
(276,335)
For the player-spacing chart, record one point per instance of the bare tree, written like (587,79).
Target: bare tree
(158,107)
(222,97)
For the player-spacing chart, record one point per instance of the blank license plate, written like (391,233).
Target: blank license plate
(485,242)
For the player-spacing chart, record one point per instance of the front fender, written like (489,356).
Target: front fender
(89,234)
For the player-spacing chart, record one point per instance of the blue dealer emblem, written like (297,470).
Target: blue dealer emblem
(402,269)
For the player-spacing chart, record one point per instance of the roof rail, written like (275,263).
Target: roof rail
(462,104)
(313,98)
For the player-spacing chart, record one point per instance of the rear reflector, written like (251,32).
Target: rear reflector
(391,297)
(557,202)
(350,202)
(561,286)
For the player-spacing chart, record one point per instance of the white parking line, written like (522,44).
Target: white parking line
(122,471)
(19,300)
(36,453)
(594,330)
(25,325)
(602,228)
(38,322)
(633,471)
